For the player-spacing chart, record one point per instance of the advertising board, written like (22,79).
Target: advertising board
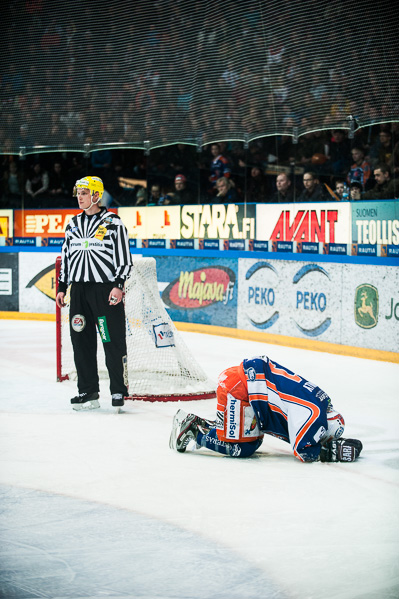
(6,223)
(9,285)
(350,304)
(325,222)
(288,298)
(199,290)
(37,282)
(370,306)
(375,222)
(152,222)
(218,221)
(43,223)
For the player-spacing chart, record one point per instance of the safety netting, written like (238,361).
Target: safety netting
(139,74)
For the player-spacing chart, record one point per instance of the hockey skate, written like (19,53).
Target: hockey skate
(185,428)
(85,401)
(118,400)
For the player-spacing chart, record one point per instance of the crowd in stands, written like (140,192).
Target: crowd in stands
(324,166)
(66,88)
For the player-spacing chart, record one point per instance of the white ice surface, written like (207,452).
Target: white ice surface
(97,505)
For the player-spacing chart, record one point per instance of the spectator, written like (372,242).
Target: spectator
(58,187)
(341,189)
(155,195)
(101,161)
(141,197)
(385,187)
(24,138)
(37,185)
(75,170)
(12,186)
(355,191)
(395,160)
(220,165)
(181,159)
(256,185)
(181,195)
(285,191)
(314,191)
(311,148)
(381,150)
(70,118)
(340,156)
(226,191)
(360,170)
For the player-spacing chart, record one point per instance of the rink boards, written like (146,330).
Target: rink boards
(348,304)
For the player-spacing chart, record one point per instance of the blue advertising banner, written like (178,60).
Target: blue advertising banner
(335,248)
(258,246)
(182,244)
(24,241)
(307,247)
(199,290)
(52,241)
(364,249)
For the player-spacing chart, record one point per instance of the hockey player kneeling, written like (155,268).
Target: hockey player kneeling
(261,397)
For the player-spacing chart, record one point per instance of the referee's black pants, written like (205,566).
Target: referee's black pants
(89,307)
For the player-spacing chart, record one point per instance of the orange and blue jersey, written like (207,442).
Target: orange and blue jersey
(220,167)
(359,174)
(287,406)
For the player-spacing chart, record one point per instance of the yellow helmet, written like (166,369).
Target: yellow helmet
(92,183)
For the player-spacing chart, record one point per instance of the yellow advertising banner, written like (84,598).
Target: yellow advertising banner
(6,223)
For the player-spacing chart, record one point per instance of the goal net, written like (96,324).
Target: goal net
(160,365)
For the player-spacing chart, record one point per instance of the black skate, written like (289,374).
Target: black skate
(185,428)
(118,400)
(85,401)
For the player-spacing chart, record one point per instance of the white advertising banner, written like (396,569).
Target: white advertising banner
(37,282)
(325,222)
(218,221)
(152,222)
(370,306)
(349,304)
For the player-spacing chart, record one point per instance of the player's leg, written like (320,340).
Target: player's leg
(211,441)
(111,324)
(84,342)
(189,428)
(116,351)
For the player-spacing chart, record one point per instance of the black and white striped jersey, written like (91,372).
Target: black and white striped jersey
(95,250)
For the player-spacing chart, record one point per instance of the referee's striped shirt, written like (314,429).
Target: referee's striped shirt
(95,250)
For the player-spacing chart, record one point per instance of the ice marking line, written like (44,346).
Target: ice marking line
(351,471)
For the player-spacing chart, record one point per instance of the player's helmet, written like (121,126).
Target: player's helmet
(335,427)
(92,183)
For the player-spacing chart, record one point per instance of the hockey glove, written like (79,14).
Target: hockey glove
(341,450)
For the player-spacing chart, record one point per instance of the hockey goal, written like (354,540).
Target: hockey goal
(160,365)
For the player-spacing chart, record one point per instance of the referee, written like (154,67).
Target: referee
(96,260)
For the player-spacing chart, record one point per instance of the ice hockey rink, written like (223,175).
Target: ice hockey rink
(95,504)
